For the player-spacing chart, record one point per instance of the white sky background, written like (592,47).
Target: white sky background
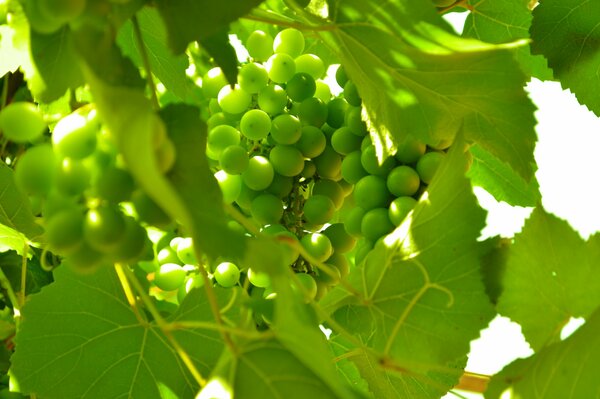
(569,164)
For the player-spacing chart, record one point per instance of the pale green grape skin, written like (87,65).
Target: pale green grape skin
(309,169)
(376,223)
(259,45)
(371,192)
(216,119)
(317,245)
(169,277)
(403,181)
(344,141)
(259,174)
(352,169)
(300,87)
(259,279)
(341,240)
(185,251)
(244,199)
(286,129)
(281,186)
(329,163)
(64,230)
(354,121)
(231,186)
(340,76)
(221,137)
(281,68)
(104,227)
(35,170)
(310,64)
(340,261)
(252,77)
(363,247)
(399,209)
(322,91)
(351,94)
(234,100)
(114,185)
(255,124)
(428,164)
(227,274)
(133,244)
(353,220)
(72,177)
(74,136)
(289,41)
(410,150)
(312,112)
(272,99)
(234,159)
(336,112)
(371,164)
(213,81)
(330,189)
(318,209)
(286,160)
(267,209)
(167,255)
(312,141)
(309,285)
(22,122)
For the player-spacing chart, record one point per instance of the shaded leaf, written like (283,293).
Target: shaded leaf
(219,48)
(36,277)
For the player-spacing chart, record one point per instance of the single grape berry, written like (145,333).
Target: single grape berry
(410,150)
(36,170)
(234,100)
(272,99)
(286,129)
(340,239)
(22,122)
(286,160)
(309,286)
(372,165)
(403,181)
(74,136)
(231,186)
(104,227)
(312,112)
(281,67)
(330,189)
(169,277)
(352,169)
(259,279)
(227,274)
(310,64)
(317,245)
(376,223)
(133,243)
(64,230)
(289,41)
(312,141)
(252,77)
(353,220)
(259,45)
(344,141)
(267,209)
(72,177)
(300,87)
(255,124)
(428,164)
(219,138)
(371,192)
(318,209)
(114,185)
(399,209)
(336,112)
(213,81)
(234,159)
(329,163)
(340,76)
(259,173)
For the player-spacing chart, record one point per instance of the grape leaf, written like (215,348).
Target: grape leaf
(418,79)
(500,180)
(567,369)
(551,275)
(168,68)
(223,53)
(15,211)
(191,20)
(503,22)
(79,338)
(35,278)
(419,296)
(566,33)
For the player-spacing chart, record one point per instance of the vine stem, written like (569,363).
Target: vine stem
(146,61)
(178,325)
(162,324)
(12,297)
(473,382)
(23,273)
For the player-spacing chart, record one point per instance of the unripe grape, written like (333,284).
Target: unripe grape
(376,223)
(22,122)
(234,100)
(309,286)
(286,160)
(231,186)
(309,169)
(410,150)
(399,208)
(340,76)
(329,163)
(281,67)
(310,64)
(340,239)
(403,181)
(281,186)
(74,136)
(272,99)
(255,124)
(371,164)
(344,141)
(185,251)
(353,221)
(234,159)
(354,121)
(133,244)
(318,209)
(428,164)
(352,169)
(104,227)
(244,199)
(363,247)
(64,230)
(267,209)
(259,45)
(227,274)
(36,170)
(114,185)
(169,277)
(300,87)
(213,81)
(286,129)
(259,279)
(149,211)
(167,255)
(330,189)
(259,174)
(322,92)
(72,177)
(221,137)
(351,94)
(371,192)
(340,261)
(313,112)
(252,77)
(317,245)
(289,41)
(336,112)
(312,141)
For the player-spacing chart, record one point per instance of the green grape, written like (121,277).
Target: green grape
(310,64)
(317,245)
(185,251)
(72,177)
(234,159)
(255,124)
(336,112)
(244,199)
(216,119)
(64,230)
(259,279)
(231,186)
(332,278)
(259,45)
(340,262)
(309,169)
(221,137)
(289,251)
(167,255)
(371,192)
(371,164)
(346,187)
(281,68)
(62,10)
(213,106)
(410,150)
(312,112)
(259,174)
(74,136)
(234,100)
(169,277)
(104,227)
(309,286)
(148,210)
(318,209)
(281,186)
(273,229)
(363,247)
(84,257)
(312,141)
(344,141)
(322,91)
(22,122)
(403,181)
(340,76)
(330,189)
(352,169)
(286,129)
(286,160)
(227,274)
(36,170)
(213,81)
(300,87)
(399,208)
(351,94)
(340,239)
(253,77)
(354,121)
(272,99)
(428,164)
(289,41)
(114,185)
(267,209)
(132,245)
(56,202)
(39,21)
(189,284)
(329,163)
(366,143)
(376,223)
(353,220)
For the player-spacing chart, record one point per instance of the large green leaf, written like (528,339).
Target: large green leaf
(566,33)
(417,78)
(567,369)
(551,275)
(191,20)
(503,22)
(420,296)
(79,338)
(35,276)
(218,47)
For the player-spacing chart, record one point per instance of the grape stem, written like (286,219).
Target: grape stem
(12,297)
(146,61)
(473,382)
(23,273)
(459,3)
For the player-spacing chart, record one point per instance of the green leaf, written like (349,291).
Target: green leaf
(15,211)
(80,338)
(416,78)
(190,20)
(168,68)
(219,48)
(500,180)
(493,265)
(566,33)
(420,299)
(36,277)
(349,370)
(503,22)
(551,275)
(56,65)
(567,369)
